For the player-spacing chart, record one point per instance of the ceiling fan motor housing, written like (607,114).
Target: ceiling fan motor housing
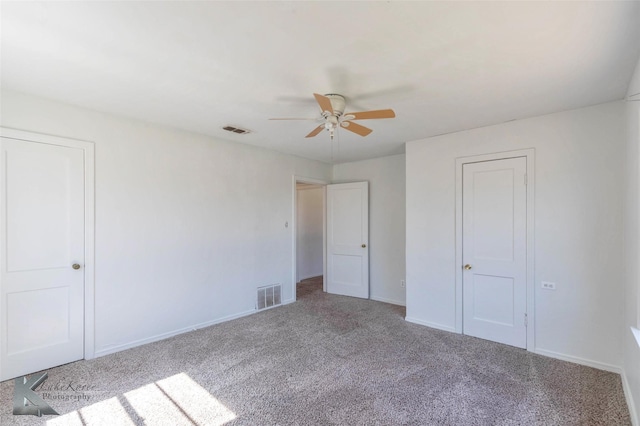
(337,103)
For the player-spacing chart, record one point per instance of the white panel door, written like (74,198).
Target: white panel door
(348,239)
(42,234)
(494,250)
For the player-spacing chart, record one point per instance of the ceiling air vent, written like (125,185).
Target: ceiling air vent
(236,130)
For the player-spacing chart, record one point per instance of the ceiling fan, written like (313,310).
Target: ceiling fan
(332,111)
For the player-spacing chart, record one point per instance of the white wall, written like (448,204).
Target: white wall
(579,158)
(186,226)
(386,177)
(632,250)
(310,232)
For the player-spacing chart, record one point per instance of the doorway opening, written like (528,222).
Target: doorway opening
(309,246)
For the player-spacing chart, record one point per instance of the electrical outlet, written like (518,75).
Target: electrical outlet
(548,286)
(402,283)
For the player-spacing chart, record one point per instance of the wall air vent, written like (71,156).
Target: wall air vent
(236,130)
(268,296)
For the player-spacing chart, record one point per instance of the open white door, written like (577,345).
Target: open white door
(494,240)
(42,256)
(348,239)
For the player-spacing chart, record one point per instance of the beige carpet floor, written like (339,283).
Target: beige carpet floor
(325,360)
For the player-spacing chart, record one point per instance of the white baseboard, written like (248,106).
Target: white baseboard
(117,348)
(286,302)
(385,300)
(431,324)
(627,395)
(578,360)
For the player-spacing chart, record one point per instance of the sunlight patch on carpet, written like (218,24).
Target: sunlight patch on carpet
(107,412)
(178,400)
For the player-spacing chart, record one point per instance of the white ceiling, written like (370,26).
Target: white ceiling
(442,66)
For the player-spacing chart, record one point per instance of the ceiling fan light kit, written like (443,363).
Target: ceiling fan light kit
(332,108)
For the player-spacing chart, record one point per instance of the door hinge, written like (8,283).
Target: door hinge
(526,182)
(526,320)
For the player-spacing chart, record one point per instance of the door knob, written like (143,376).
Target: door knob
(75,266)
(364,245)
(467,266)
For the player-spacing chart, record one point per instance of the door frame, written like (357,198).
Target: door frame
(529,154)
(294,221)
(88,149)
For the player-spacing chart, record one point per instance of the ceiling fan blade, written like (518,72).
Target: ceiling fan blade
(315,131)
(366,115)
(324,102)
(356,128)
(308,119)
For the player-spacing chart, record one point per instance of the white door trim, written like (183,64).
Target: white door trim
(294,224)
(89,220)
(530,156)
